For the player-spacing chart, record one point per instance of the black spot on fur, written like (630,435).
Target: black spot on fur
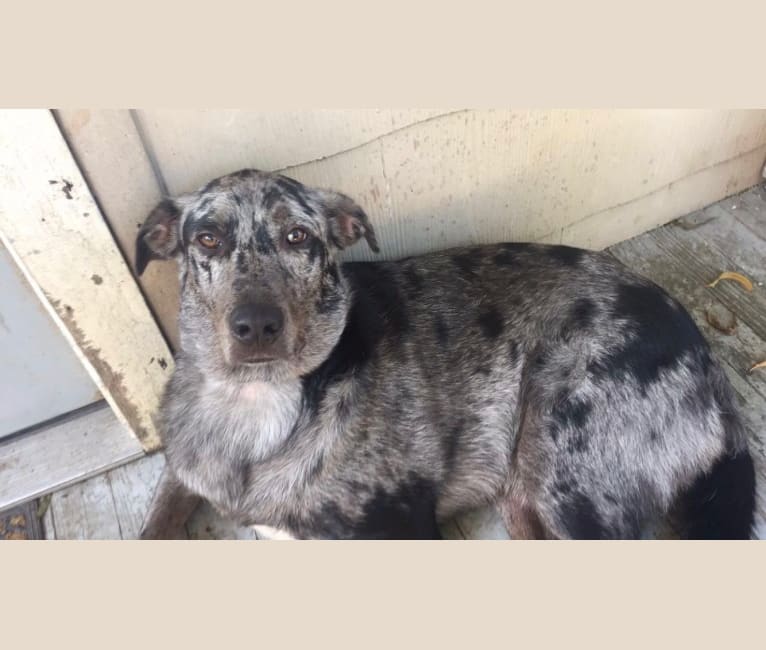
(562,487)
(205,266)
(720,503)
(316,469)
(377,311)
(505,258)
(451,443)
(467,263)
(264,244)
(660,334)
(441,331)
(580,317)
(580,519)
(414,280)
(332,271)
(541,359)
(491,323)
(317,251)
(653,435)
(241,262)
(271,196)
(571,412)
(513,352)
(330,299)
(566,255)
(331,292)
(508,255)
(296,191)
(407,513)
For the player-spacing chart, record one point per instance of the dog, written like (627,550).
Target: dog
(377,400)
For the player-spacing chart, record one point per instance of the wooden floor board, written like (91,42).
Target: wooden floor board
(85,511)
(132,487)
(62,453)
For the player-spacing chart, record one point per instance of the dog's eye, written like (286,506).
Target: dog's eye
(206,240)
(297,236)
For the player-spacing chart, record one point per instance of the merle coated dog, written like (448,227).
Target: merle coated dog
(376,400)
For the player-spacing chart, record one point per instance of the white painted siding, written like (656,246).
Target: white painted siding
(434,178)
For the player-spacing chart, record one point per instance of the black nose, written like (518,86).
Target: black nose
(256,323)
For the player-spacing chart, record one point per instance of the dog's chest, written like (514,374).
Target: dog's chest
(233,429)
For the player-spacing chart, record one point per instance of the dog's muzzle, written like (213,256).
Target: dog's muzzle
(256,329)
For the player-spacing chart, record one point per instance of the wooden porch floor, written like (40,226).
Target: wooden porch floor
(683,257)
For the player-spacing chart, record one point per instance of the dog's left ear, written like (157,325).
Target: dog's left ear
(158,238)
(347,221)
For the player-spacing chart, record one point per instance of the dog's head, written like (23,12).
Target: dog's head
(261,291)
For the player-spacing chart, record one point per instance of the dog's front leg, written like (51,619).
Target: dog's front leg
(171,507)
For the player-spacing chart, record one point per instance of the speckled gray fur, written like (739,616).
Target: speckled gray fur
(552,381)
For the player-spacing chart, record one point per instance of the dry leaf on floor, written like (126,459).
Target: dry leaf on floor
(721,319)
(737,277)
(760,364)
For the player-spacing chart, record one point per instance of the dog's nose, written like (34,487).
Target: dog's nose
(256,323)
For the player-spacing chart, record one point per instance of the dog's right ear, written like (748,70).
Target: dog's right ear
(158,238)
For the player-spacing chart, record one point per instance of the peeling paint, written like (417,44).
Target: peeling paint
(113,381)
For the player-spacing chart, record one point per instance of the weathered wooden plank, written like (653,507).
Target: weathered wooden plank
(65,452)
(132,487)
(703,260)
(111,155)
(56,234)
(49,526)
(749,208)
(86,511)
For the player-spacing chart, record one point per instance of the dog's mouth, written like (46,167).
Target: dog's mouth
(255,361)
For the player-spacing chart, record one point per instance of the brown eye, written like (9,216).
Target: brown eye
(211,242)
(297,236)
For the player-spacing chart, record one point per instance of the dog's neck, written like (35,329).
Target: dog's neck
(264,413)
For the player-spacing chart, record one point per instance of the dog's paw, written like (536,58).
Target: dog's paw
(160,532)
